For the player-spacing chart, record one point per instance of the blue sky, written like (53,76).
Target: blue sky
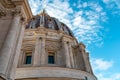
(96,23)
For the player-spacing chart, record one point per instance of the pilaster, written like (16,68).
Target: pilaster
(12,12)
(17,51)
(7,51)
(67,55)
(36,55)
(71,55)
(84,56)
(88,66)
(43,52)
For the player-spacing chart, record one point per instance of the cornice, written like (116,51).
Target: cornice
(7,3)
(11,4)
(27,9)
(81,44)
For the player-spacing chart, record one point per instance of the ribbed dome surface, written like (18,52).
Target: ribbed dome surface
(44,20)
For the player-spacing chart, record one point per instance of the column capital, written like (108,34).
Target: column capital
(81,46)
(16,11)
(2,13)
(23,21)
(11,12)
(67,54)
(4,76)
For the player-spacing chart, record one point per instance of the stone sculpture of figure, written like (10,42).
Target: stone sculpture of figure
(50,24)
(42,20)
(37,21)
(65,29)
(32,24)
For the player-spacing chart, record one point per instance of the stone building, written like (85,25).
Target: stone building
(39,47)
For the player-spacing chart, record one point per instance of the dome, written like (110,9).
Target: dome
(44,20)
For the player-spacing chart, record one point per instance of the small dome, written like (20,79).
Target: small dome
(43,19)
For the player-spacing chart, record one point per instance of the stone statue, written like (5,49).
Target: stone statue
(42,20)
(50,24)
(32,24)
(65,29)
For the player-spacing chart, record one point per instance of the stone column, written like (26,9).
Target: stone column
(6,53)
(88,65)
(17,52)
(75,59)
(43,52)
(71,55)
(84,57)
(36,55)
(67,56)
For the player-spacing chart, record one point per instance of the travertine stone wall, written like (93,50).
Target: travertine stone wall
(17,51)
(52,72)
(85,57)
(46,41)
(69,53)
(4,29)
(51,79)
(12,14)
(7,50)
(78,57)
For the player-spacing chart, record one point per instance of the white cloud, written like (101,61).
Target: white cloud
(98,9)
(102,68)
(112,3)
(74,4)
(79,6)
(78,20)
(100,64)
(84,4)
(118,3)
(113,76)
(106,1)
(35,5)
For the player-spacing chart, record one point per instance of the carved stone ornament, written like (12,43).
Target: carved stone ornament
(2,13)
(16,11)
(51,45)
(11,12)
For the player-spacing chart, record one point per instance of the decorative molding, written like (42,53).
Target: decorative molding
(11,4)
(51,45)
(7,3)
(2,13)
(52,72)
(4,77)
(11,12)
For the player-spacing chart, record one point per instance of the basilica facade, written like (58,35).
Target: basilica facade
(39,47)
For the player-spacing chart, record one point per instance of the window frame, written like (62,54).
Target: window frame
(51,53)
(24,58)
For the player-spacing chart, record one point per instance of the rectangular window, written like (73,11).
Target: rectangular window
(28,58)
(51,58)
(86,78)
